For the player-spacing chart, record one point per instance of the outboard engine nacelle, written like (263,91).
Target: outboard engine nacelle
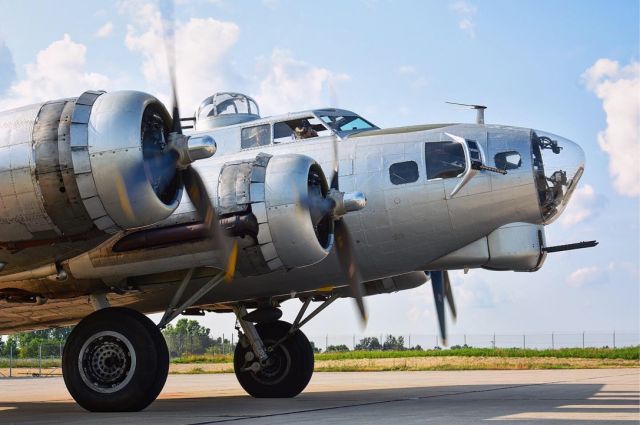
(79,164)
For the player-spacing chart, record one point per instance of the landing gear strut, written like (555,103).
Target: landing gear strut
(115,360)
(274,358)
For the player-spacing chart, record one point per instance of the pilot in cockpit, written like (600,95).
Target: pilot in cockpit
(304,131)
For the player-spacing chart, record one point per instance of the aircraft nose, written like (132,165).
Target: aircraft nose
(558,166)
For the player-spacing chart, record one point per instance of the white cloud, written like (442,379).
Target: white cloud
(584,204)
(59,71)
(619,89)
(201,44)
(291,84)
(105,30)
(585,276)
(466,13)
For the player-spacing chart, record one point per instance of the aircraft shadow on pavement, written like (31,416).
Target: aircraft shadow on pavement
(529,403)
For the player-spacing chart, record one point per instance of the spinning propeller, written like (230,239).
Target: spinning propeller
(183,150)
(344,242)
(441,292)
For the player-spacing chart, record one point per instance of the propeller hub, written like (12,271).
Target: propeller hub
(191,148)
(346,202)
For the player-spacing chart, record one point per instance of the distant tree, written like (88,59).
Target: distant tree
(369,344)
(47,342)
(417,347)
(337,348)
(393,343)
(187,337)
(460,347)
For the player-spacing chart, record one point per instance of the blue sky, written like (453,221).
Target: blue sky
(570,68)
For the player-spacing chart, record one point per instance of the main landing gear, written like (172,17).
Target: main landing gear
(115,359)
(274,358)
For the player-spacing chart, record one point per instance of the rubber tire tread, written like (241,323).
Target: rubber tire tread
(152,361)
(301,369)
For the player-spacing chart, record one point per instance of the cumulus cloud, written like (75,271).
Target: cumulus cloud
(586,276)
(618,87)
(466,13)
(59,71)
(291,84)
(105,30)
(201,44)
(585,204)
(7,69)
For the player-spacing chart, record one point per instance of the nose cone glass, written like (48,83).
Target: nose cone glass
(558,165)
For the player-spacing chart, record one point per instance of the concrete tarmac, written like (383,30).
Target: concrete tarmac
(596,396)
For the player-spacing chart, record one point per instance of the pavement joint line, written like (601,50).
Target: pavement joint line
(372,403)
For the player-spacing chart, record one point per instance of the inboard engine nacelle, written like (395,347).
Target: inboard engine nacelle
(282,192)
(98,161)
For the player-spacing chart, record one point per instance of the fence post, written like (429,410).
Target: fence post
(354,342)
(493,342)
(582,339)
(223,344)
(326,342)
(409,342)
(40,359)
(60,351)
(524,341)
(10,358)
(614,339)
(465,339)
(553,342)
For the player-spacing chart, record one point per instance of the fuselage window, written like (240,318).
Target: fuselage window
(444,160)
(259,135)
(508,160)
(403,172)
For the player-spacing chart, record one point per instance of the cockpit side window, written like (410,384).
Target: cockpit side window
(258,135)
(444,160)
(298,129)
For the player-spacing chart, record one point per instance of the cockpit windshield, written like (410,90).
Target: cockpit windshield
(558,164)
(346,123)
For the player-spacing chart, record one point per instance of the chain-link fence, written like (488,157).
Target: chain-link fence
(44,358)
(550,340)
(41,359)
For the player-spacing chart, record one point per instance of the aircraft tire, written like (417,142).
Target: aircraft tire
(115,360)
(289,367)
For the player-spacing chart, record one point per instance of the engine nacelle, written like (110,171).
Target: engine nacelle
(80,164)
(277,190)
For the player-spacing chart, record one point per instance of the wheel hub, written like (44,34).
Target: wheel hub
(107,361)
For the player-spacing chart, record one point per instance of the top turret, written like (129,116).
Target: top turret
(224,109)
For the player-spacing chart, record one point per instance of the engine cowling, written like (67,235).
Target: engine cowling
(77,165)
(278,191)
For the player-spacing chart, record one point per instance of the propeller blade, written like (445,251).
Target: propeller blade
(199,197)
(334,175)
(168,35)
(344,249)
(448,294)
(437,283)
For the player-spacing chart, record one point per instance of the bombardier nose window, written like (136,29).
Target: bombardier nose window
(558,164)
(444,160)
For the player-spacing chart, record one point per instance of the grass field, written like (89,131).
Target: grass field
(454,359)
(626,353)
